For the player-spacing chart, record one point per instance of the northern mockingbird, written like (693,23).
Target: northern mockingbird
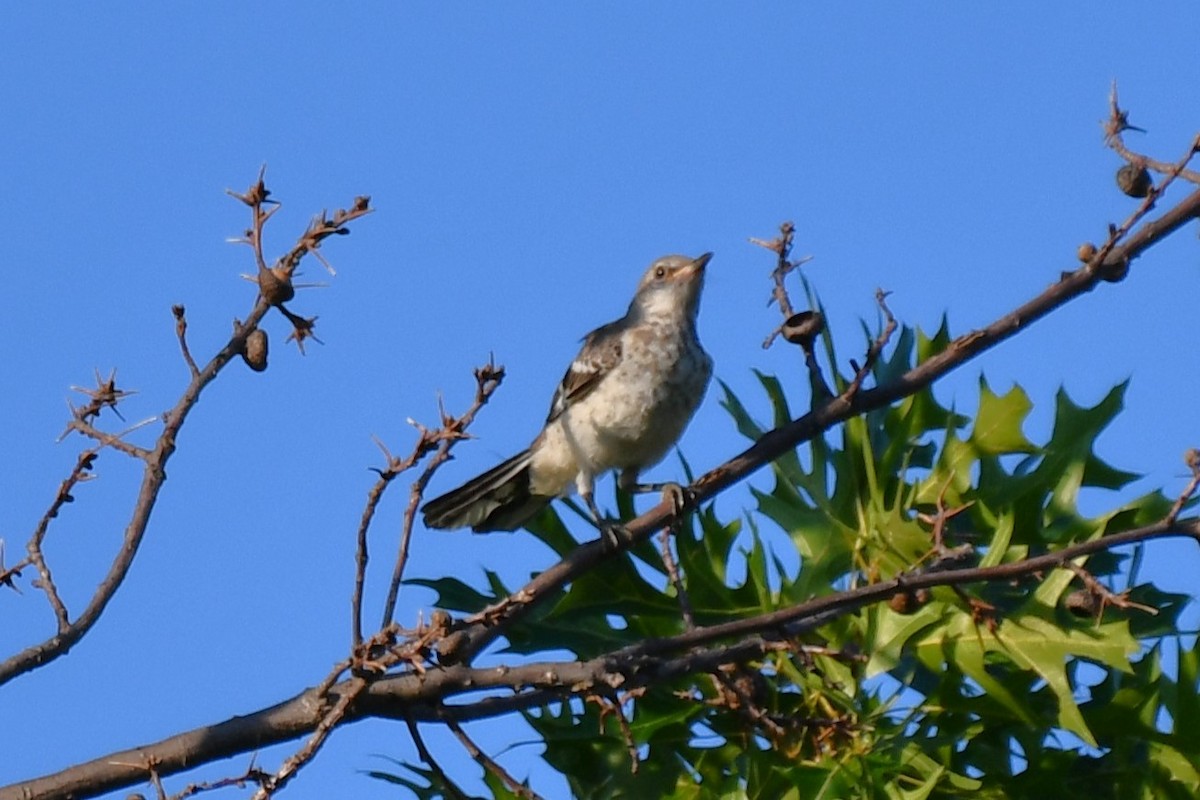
(623,403)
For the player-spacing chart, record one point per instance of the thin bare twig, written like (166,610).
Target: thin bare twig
(685,603)
(485,761)
(1105,596)
(876,348)
(79,474)
(487,380)
(347,694)
(611,705)
(781,246)
(114,440)
(446,784)
(1117,123)
(395,466)
(1192,459)
(181,333)
(253,774)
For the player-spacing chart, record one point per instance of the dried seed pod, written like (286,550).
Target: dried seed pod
(275,285)
(1082,603)
(255,351)
(803,328)
(908,602)
(1086,252)
(1113,270)
(1134,180)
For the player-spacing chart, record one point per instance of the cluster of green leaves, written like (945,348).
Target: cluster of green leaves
(989,691)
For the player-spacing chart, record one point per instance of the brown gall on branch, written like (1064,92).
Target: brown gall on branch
(1095,597)
(275,284)
(255,351)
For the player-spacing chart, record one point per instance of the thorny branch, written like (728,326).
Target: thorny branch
(454,429)
(1114,128)
(107,395)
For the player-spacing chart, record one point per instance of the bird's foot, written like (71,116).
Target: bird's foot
(679,496)
(613,534)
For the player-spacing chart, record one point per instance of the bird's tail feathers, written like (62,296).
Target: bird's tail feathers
(498,500)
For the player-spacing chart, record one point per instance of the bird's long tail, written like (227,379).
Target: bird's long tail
(497,500)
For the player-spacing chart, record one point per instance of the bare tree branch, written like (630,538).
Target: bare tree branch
(421,696)
(69,631)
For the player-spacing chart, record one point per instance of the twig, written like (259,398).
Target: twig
(1105,596)
(612,705)
(80,473)
(487,380)
(448,785)
(395,466)
(348,692)
(1117,123)
(114,440)
(253,774)
(181,333)
(1192,459)
(876,348)
(685,604)
(485,761)
(781,246)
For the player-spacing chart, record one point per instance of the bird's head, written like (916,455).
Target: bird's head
(671,288)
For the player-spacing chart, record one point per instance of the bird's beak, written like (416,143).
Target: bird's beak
(701,262)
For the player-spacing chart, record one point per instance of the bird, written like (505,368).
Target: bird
(623,403)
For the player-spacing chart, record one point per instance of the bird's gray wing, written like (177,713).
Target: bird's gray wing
(601,352)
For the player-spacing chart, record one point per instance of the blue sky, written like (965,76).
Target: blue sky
(526,162)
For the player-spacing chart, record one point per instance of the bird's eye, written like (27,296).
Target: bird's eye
(660,272)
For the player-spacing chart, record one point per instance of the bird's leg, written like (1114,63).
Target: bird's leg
(611,530)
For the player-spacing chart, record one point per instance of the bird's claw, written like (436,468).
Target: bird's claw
(613,534)
(679,496)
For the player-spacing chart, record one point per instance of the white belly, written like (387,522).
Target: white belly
(630,420)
